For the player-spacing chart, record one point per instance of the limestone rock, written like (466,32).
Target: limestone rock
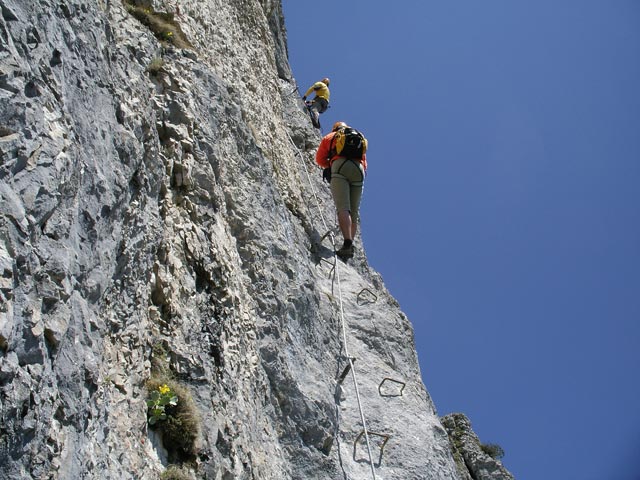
(156,216)
(473,462)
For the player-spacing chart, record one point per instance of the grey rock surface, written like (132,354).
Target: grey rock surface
(472,461)
(158,199)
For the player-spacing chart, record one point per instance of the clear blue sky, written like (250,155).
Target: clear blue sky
(502,207)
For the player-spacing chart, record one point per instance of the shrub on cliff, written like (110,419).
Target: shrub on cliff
(175,473)
(493,450)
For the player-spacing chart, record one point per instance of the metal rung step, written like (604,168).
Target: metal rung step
(385,438)
(398,382)
(363,301)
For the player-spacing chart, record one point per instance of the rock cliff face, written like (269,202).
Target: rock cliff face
(472,457)
(157,226)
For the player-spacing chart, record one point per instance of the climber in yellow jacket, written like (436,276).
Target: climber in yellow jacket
(320,102)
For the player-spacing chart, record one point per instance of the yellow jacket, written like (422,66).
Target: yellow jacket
(320,89)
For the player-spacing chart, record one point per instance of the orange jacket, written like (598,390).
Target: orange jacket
(324,151)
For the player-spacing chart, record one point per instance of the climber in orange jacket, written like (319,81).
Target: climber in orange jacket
(341,154)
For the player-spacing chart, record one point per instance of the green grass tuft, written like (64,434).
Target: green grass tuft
(181,428)
(162,24)
(175,473)
(155,66)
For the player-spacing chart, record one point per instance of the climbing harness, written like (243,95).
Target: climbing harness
(356,162)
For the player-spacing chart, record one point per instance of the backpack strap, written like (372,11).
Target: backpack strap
(332,147)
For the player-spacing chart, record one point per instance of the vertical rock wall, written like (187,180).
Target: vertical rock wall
(156,215)
(471,456)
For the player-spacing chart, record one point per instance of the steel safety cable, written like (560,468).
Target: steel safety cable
(313,189)
(342,319)
(353,374)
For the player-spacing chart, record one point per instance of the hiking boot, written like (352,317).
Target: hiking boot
(345,252)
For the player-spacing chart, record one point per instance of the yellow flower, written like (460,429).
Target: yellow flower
(164,389)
